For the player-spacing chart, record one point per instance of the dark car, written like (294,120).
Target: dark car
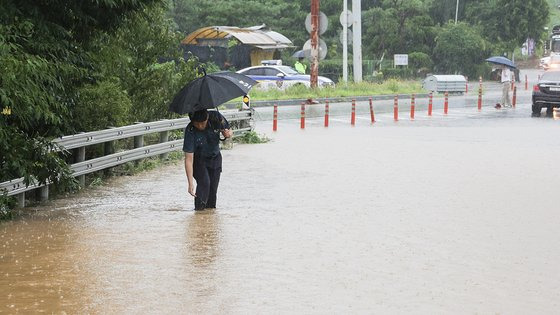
(546,93)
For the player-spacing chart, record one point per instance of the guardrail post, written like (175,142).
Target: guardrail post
(163,137)
(80,156)
(44,193)
(21,199)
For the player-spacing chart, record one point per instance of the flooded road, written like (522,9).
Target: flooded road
(456,214)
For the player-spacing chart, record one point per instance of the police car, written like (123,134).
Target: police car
(277,76)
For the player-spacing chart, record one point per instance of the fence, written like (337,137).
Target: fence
(240,121)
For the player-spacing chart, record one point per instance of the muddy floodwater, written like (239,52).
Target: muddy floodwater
(442,216)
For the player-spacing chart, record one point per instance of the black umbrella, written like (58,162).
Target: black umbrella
(210,91)
(299,54)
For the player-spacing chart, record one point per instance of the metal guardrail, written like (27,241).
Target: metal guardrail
(82,140)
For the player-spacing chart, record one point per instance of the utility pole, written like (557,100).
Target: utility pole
(345,41)
(314,42)
(456,11)
(357,39)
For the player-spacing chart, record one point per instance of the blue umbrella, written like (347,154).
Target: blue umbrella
(499,60)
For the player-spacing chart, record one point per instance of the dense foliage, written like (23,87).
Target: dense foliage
(389,26)
(71,66)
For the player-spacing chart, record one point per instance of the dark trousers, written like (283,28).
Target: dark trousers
(207,175)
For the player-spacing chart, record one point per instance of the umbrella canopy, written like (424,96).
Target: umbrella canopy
(210,91)
(499,60)
(299,54)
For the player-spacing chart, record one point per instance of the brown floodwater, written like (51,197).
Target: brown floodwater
(442,215)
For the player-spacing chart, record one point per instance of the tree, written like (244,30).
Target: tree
(458,49)
(45,62)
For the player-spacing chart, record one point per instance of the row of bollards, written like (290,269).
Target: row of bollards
(395,107)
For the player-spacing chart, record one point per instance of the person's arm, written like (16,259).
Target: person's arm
(189,157)
(228,133)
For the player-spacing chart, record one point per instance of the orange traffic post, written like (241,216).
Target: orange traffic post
(446,103)
(512,85)
(412,104)
(353,118)
(372,114)
(275,118)
(526,83)
(430,104)
(467,85)
(480,98)
(480,82)
(302,121)
(326,113)
(514,100)
(396,108)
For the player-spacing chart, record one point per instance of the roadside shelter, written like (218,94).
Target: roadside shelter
(229,46)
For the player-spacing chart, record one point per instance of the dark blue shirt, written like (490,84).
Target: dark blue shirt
(205,143)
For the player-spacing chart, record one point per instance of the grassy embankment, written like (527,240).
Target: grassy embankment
(388,87)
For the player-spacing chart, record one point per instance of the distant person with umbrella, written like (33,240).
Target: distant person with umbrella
(201,145)
(299,66)
(506,77)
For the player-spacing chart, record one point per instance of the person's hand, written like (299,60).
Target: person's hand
(192,191)
(227,133)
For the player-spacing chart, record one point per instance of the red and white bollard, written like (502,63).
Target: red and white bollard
(446,103)
(275,118)
(480,98)
(396,108)
(353,117)
(526,83)
(412,104)
(467,85)
(480,83)
(514,99)
(326,113)
(430,103)
(302,119)
(371,113)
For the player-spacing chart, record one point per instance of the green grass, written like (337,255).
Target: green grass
(390,86)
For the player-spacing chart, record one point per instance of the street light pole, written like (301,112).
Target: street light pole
(456,11)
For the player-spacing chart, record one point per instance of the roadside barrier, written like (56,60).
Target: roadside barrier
(326,113)
(396,108)
(275,118)
(556,113)
(412,107)
(302,119)
(371,113)
(446,103)
(353,117)
(430,104)
(480,98)
(241,122)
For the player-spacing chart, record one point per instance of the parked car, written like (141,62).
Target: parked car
(546,93)
(281,77)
